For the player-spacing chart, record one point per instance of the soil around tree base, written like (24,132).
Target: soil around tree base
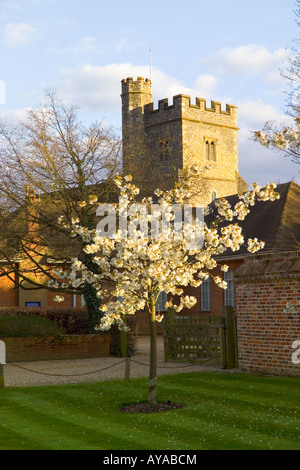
(150,407)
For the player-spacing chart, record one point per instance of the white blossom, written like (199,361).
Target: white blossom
(138,268)
(224,268)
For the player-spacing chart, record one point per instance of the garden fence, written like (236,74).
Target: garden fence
(201,338)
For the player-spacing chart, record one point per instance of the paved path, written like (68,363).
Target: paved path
(94,369)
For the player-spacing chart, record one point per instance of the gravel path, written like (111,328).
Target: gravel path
(94,369)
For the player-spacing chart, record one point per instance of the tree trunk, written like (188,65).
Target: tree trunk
(153,352)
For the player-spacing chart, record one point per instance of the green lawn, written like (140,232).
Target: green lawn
(222,411)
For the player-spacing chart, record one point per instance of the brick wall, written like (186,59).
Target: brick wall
(268,314)
(56,348)
(67,303)
(9,293)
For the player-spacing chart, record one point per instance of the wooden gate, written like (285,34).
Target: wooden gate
(201,338)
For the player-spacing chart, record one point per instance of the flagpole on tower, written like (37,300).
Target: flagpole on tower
(150,63)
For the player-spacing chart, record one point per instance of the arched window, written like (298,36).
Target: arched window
(207,150)
(164,149)
(210,150)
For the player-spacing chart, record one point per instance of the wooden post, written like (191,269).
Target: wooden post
(2,362)
(168,323)
(127,368)
(223,343)
(230,337)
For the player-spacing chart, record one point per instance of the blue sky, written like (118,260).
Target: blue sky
(230,51)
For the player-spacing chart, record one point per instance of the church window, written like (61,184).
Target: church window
(164,150)
(207,150)
(210,150)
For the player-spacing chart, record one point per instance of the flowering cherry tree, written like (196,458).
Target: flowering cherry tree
(284,138)
(142,256)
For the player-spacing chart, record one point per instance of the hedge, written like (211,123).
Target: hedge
(28,325)
(74,321)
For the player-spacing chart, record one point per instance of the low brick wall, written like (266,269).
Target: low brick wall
(55,348)
(268,315)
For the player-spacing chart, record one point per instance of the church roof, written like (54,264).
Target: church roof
(277,223)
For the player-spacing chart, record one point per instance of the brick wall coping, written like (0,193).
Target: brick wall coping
(270,266)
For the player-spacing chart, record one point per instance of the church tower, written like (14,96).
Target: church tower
(135,95)
(176,136)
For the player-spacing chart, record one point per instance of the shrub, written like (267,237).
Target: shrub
(28,325)
(74,321)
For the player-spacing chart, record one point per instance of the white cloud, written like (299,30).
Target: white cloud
(205,85)
(17,34)
(10,5)
(14,116)
(258,163)
(262,165)
(276,79)
(99,87)
(249,59)
(93,87)
(254,113)
(83,47)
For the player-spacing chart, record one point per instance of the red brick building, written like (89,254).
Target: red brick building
(268,314)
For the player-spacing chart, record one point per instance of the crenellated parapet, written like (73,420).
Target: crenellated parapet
(128,84)
(183,108)
(136,92)
(136,95)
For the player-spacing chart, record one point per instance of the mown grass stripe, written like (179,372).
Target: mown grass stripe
(223,411)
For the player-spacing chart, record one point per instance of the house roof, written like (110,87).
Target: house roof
(277,223)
